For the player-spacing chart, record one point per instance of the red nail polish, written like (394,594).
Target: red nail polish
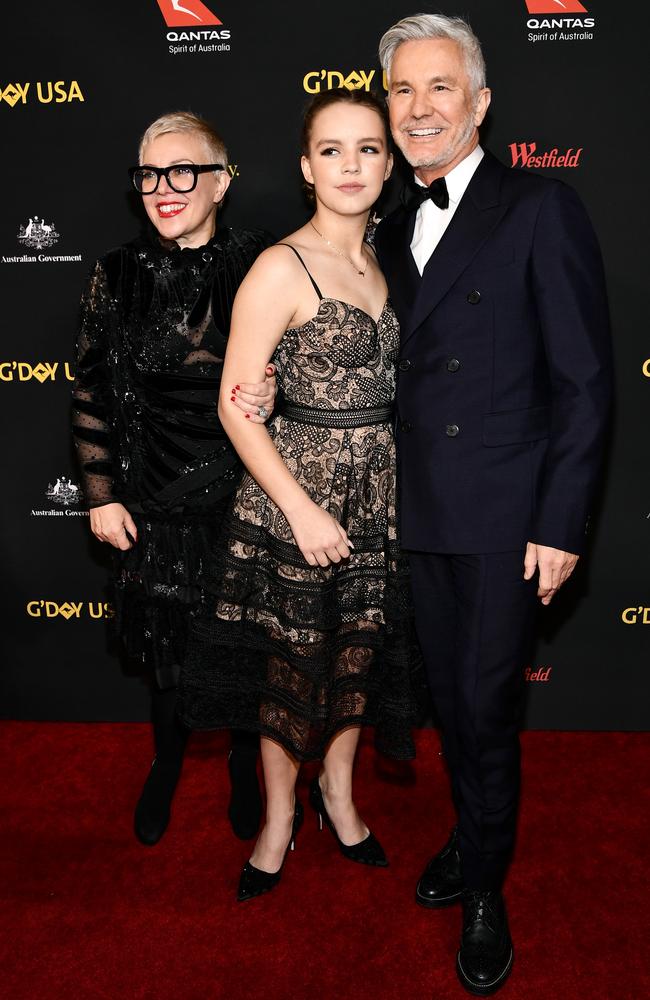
(247,415)
(236,387)
(232,399)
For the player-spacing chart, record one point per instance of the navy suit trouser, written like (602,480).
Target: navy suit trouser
(474,616)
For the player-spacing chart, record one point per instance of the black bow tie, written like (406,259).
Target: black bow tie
(412,197)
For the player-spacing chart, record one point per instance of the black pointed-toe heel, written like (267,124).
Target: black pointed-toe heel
(366,852)
(253,881)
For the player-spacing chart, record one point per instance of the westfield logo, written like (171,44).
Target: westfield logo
(538,673)
(183,13)
(524,154)
(555,7)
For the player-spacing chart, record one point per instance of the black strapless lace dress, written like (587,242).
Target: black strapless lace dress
(294,652)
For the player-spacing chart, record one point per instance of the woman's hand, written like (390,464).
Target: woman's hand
(111,523)
(250,396)
(320,538)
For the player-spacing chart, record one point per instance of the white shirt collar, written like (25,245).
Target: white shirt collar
(459,178)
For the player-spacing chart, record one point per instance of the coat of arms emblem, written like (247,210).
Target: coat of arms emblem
(38,234)
(64,492)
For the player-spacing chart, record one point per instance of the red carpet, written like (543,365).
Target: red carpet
(89,913)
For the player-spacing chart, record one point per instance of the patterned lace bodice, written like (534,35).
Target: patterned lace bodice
(341,359)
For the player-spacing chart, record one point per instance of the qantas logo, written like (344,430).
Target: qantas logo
(559,21)
(555,7)
(183,13)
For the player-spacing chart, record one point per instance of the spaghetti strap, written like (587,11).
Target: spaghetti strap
(316,288)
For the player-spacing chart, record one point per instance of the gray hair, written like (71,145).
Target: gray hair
(422,26)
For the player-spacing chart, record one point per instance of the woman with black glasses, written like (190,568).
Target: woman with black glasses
(158,468)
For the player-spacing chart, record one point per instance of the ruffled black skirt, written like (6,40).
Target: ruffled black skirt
(159,584)
(300,660)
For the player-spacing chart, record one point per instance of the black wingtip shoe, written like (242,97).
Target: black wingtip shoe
(485,955)
(441,883)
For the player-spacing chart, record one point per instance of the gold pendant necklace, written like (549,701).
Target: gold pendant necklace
(339,251)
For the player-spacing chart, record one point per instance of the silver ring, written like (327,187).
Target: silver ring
(263,412)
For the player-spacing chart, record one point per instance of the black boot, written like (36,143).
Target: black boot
(485,955)
(245,808)
(170,736)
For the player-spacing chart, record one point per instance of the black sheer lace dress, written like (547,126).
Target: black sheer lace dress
(150,353)
(294,652)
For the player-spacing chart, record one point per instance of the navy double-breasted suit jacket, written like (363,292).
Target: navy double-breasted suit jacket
(504,371)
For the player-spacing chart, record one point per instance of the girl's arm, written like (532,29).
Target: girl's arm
(264,307)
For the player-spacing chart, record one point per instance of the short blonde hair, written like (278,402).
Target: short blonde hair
(186,121)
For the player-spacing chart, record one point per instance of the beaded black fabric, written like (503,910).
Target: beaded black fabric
(294,652)
(154,323)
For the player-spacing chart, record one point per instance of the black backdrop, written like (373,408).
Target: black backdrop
(80,81)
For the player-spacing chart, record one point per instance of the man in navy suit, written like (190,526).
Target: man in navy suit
(503,399)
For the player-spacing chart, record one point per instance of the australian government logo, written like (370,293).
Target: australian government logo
(64,498)
(559,21)
(193,28)
(37,234)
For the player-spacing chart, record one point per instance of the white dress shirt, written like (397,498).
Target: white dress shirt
(431,221)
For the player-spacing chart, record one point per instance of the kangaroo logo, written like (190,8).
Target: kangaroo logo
(38,234)
(186,13)
(64,492)
(555,7)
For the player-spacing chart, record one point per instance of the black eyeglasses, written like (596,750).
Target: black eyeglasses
(181,177)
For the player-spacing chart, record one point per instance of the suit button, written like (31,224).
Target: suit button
(453,365)
(405,426)
(474,297)
(452,430)
(404,365)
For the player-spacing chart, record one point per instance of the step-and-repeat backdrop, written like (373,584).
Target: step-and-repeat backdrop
(79,82)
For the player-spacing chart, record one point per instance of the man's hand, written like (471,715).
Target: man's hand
(555,568)
(250,396)
(111,523)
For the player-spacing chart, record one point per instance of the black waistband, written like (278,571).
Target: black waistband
(338,418)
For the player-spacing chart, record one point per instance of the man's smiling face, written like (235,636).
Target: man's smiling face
(434,113)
